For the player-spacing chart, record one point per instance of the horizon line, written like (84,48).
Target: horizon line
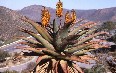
(55,8)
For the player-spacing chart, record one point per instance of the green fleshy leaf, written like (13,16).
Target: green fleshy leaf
(50,52)
(40,39)
(42,31)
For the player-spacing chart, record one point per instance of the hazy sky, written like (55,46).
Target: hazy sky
(68,4)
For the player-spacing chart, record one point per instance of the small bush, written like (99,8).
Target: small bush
(95,69)
(3,55)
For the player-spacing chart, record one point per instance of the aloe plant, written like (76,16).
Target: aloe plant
(59,48)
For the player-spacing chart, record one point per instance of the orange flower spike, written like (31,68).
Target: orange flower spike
(43,21)
(73,15)
(59,9)
(43,11)
(45,17)
(67,17)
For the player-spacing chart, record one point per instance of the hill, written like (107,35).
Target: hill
(102,15)
(9,20)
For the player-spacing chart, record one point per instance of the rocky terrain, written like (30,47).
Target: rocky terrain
(9,22)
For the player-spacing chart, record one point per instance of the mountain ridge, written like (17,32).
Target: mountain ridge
(102,15)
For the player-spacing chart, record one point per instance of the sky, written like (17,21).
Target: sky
(68,4)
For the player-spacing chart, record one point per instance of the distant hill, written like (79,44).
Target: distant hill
(9,20)
(102,15)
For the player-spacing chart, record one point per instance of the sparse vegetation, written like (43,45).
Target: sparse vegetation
(1,41)
(96,69)
(109,25)
(3,55)
(112,38)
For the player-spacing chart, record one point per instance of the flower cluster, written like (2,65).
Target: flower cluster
(45,17)
(72,17)
(59,9)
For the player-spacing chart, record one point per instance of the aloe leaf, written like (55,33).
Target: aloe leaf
(82,32)
(40,39)
(82,52)
(77,48)
(69,40)
(87,33)
(64,66)
(31,49)
(32,45)
(41,58)
(90,37)
(71,37)
(56,38)
(79,28)
(53,64)
(57,42)
(56,67)
(41,31)
(42,68)
(70,70)
(64,30)
(50,52)
(32,53)
(55,26)
(62,33)
(29,40)
(72,58)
